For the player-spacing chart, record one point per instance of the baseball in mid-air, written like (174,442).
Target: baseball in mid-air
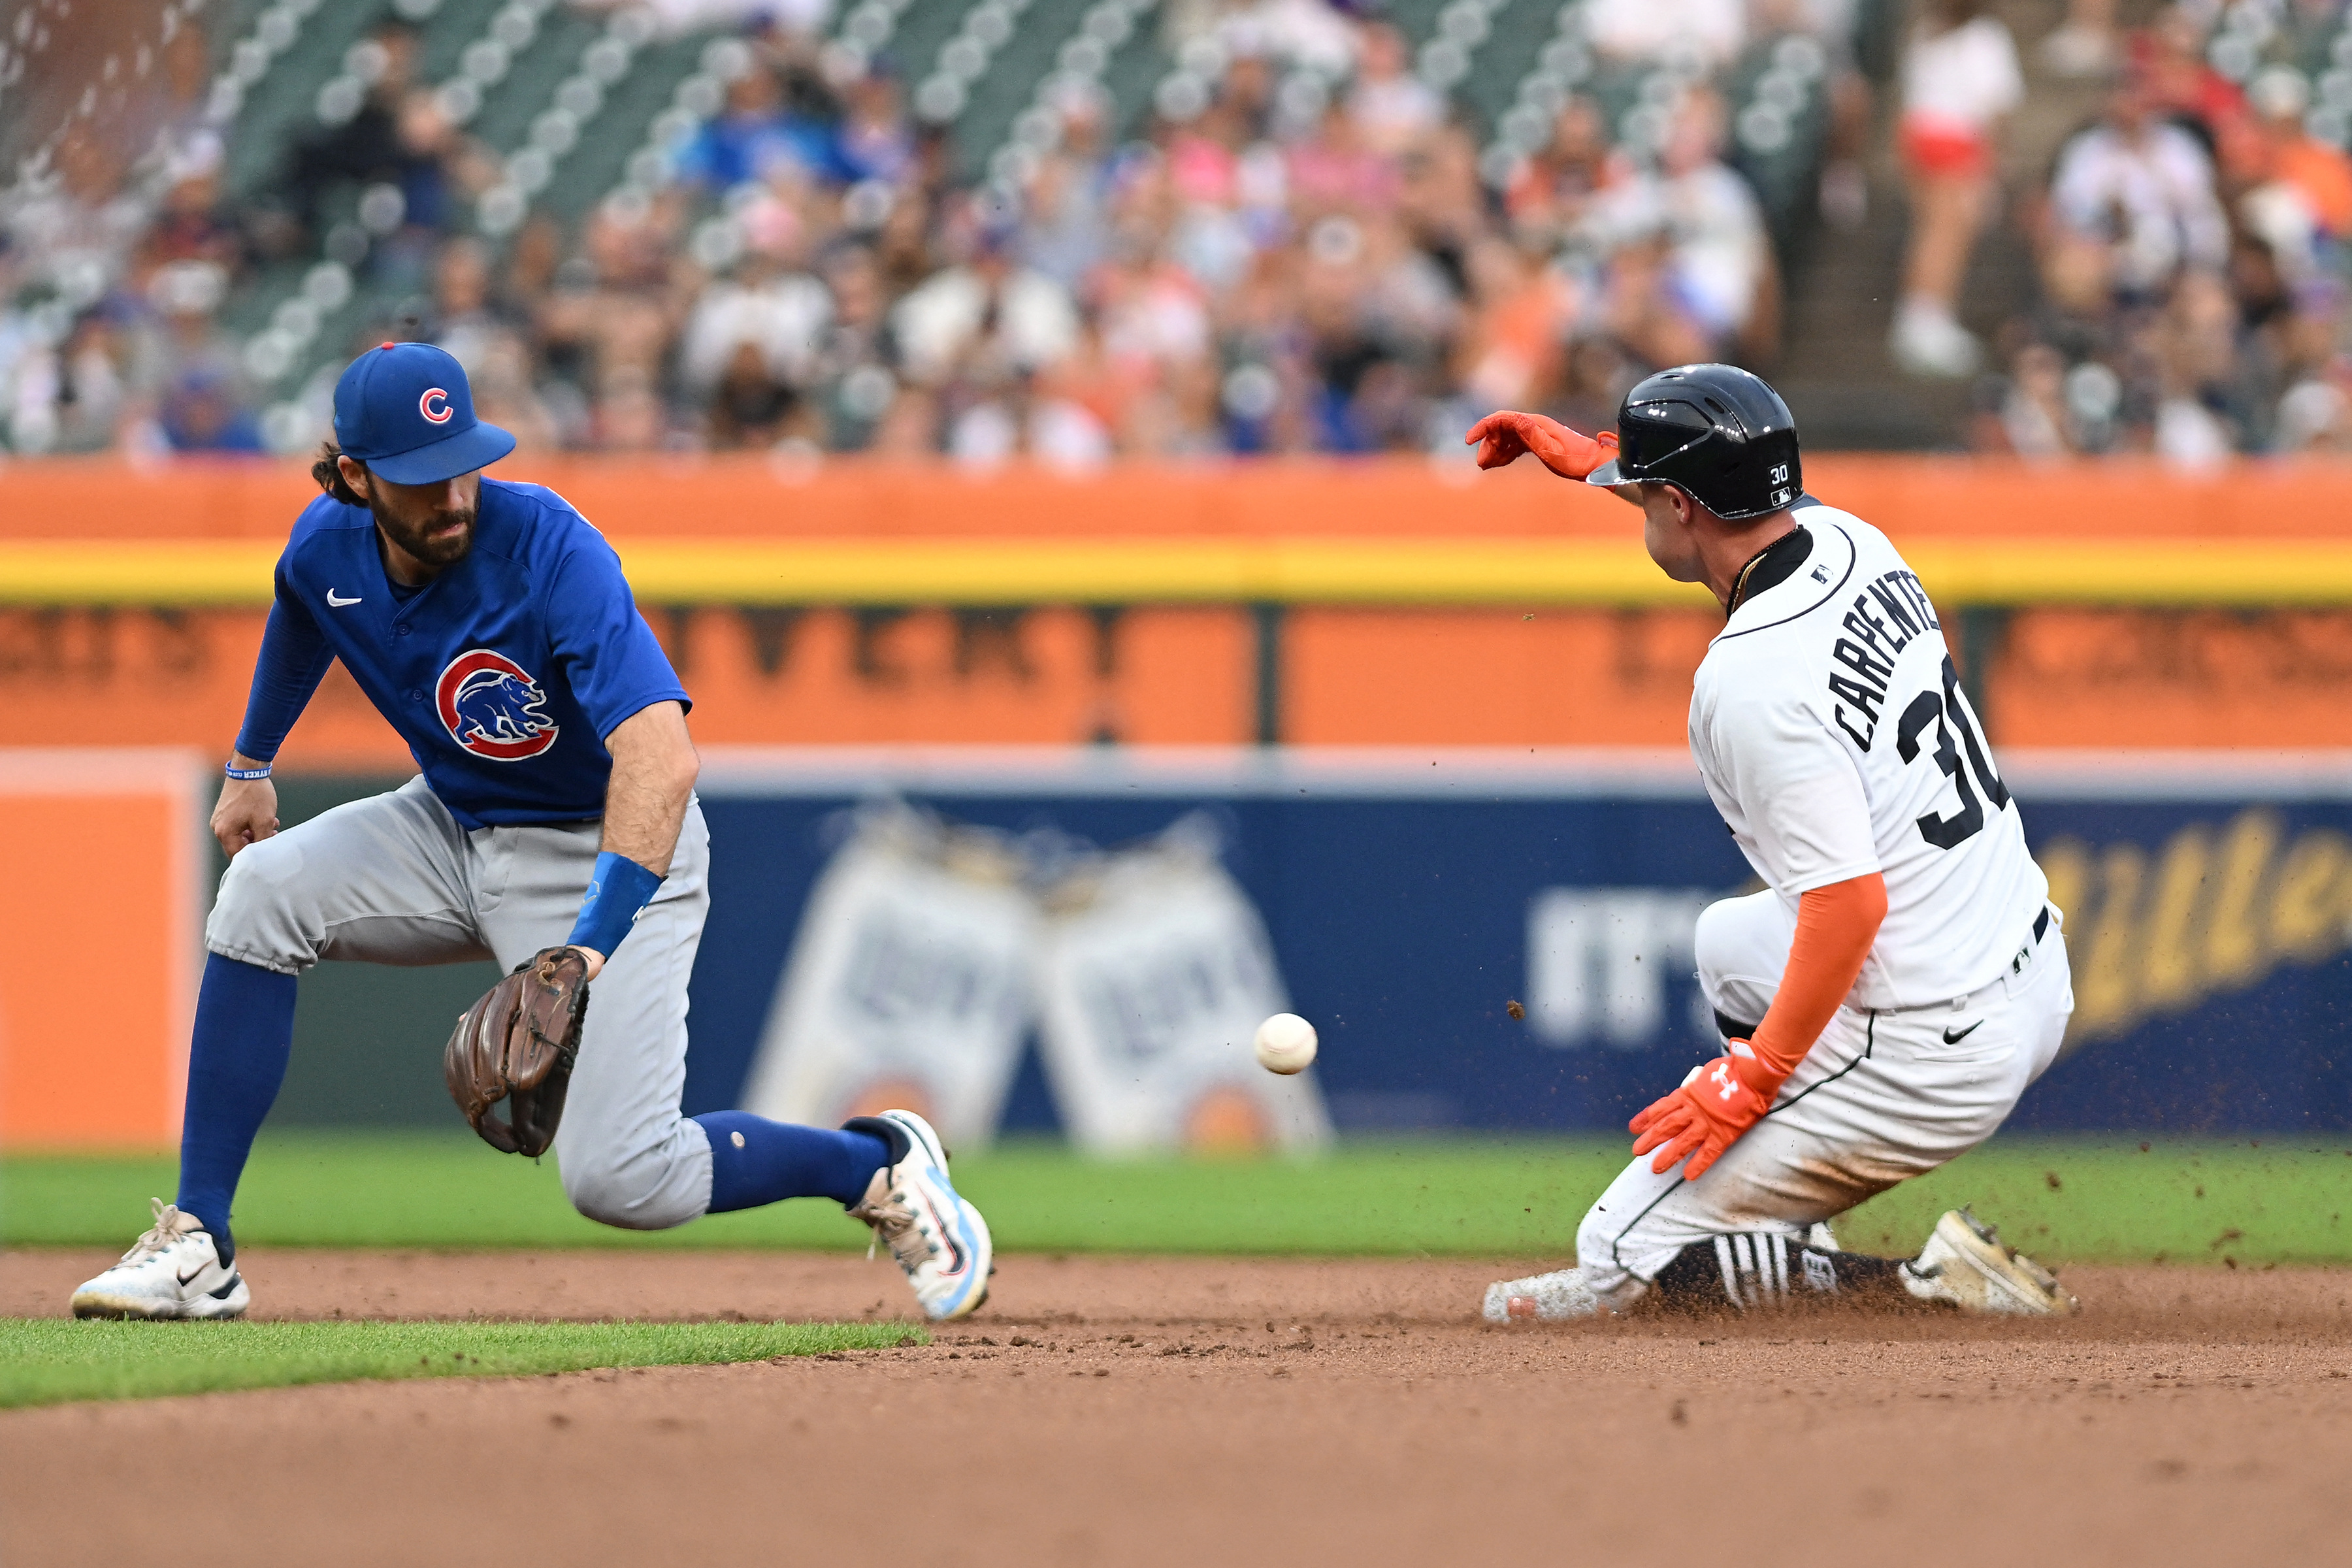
(1285,1044)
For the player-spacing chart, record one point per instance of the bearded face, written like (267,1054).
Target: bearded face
(433,524)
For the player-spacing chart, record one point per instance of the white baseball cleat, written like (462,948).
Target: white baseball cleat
(1542,1299)
(172,1271)
(1965,1265)
(938,1239)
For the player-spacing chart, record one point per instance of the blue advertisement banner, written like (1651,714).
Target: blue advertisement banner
(1410,900)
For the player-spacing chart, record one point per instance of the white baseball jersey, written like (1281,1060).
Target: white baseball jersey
(1828,722)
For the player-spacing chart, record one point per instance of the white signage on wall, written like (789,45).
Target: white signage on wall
(908,983)
(927,951)
(1154,972)
(1602,964)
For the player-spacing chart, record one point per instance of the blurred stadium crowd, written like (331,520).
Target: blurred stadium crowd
(1201,226)
(2189,247)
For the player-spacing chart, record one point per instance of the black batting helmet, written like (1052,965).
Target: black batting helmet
(1713,430)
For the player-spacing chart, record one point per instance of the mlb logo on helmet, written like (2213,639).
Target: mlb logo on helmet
(492,707)
(406,411)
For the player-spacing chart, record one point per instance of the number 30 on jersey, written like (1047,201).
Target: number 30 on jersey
(1947,711)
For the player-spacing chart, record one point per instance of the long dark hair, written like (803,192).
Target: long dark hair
(329,474)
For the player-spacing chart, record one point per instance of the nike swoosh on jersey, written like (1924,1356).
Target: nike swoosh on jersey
(1952,1039)
(339,604)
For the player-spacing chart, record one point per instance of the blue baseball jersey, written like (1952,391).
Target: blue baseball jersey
(504,674)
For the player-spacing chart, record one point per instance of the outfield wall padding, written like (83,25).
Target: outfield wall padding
(1314,602)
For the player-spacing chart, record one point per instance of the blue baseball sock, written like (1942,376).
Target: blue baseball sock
(244,1035)
(754,1161)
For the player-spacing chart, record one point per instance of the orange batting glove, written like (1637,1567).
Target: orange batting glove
(1706,1115)
(1501,437)
(1835,926)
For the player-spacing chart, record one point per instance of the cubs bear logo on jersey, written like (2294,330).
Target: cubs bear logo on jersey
(493,708)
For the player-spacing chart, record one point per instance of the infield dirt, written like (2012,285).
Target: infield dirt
(1237,1411)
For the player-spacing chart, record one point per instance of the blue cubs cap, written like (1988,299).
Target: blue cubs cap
(405,410)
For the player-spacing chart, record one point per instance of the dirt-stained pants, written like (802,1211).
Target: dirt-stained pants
(1883,1095)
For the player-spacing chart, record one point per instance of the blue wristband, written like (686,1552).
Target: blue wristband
(233,771)
(618,890)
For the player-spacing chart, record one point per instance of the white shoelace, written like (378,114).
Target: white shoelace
(172,1223)
(894,1221)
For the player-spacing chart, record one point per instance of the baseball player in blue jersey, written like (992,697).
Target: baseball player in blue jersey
(491,625)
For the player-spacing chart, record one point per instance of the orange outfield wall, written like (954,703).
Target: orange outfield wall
(97,975)
(1910,497)
(1495,674)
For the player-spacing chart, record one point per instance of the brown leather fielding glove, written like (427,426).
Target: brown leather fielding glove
(518,1043)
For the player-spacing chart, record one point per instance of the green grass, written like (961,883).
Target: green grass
(48,1361)
(2279,1201)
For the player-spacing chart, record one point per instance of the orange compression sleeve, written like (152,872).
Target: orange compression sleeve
(1835,926)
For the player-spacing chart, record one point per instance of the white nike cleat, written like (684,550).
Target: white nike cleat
(938,1239)
(172,1271)
(1964,1265)
(1542,1299)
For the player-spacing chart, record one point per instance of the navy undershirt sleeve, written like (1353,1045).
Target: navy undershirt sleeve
(294,659)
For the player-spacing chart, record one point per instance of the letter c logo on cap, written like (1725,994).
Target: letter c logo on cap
(426,406)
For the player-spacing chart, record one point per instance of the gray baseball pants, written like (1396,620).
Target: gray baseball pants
(394,879)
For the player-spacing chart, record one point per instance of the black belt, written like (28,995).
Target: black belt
(1733,1029)
(2041,929)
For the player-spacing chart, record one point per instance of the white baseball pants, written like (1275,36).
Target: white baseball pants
(1883,1095)
(394,879)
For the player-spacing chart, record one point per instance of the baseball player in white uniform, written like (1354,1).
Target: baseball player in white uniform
(1900,979)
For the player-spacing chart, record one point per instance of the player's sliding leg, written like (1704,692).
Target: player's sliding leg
(1882,1097)
(1693,1256)
(629,1158)
(1765,1268)
(1964,1265)
(378,879)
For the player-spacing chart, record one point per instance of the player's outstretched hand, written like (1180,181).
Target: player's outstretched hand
(1502,437)
(1705,1116)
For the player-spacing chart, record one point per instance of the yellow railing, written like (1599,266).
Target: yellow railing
(1371,572)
